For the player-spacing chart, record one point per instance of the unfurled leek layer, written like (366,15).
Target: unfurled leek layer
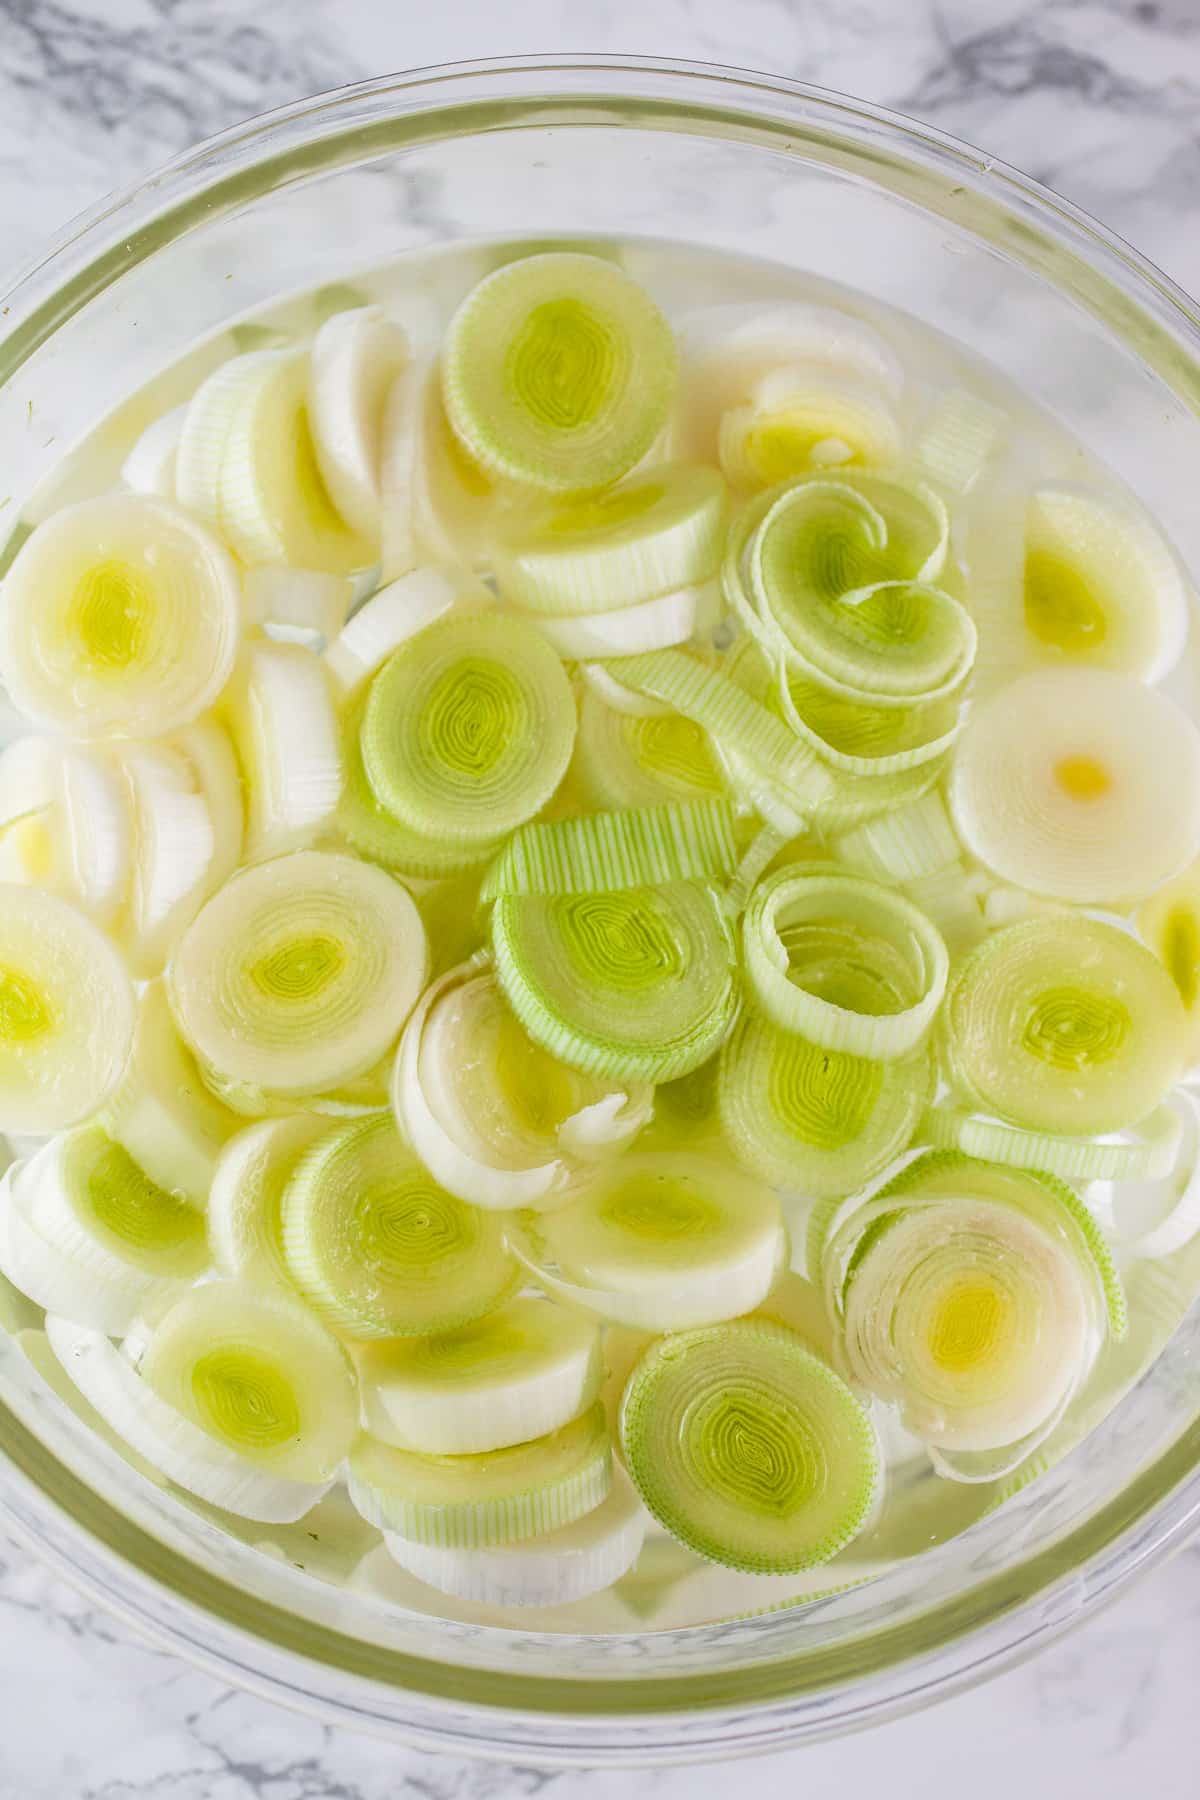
(637,847)
(627,759)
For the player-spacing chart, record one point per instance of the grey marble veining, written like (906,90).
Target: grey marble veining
(1101,100)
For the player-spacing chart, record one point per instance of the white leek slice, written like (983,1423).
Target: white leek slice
(1169,923)
(356,357)
(517,1374)
(161,1111)
(495,1119)
(1156,1217)
(604,686)
(285,728)
(258,1373)
(308,602)
(748,1448)
(394,614)
(599,852)
(1063,1024)
(632,986)
(66,1013)
(1081,784)
(150,466)
(804,417)
(1101,585)
(468,729)
(628,758)
(209,750)
(956,441)
(248,466)
(121,617)
(558,371)
(174,845)
(65,824)
(378,1248)
(299,973)
(555,1569)
(245,1198)
(438,504)
(657,624)
(186,1454)
(658,532)
(849,964)
(662,1241)
(475,1502)
(1146,1152)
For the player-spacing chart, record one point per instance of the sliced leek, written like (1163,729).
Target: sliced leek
(1155,1216)
(209,750)
(1058,785)
(150,466)
(437,502)
(174,847)
(517,1374)
(245,1199)
(911,843)
(378,1248)
(662,1241)
(121,617)
(957,440)
(800,418)
(658,624)
(1144,1152)
(632,759)
(394,614)
(748,1448)
(1063,1025)
(298,974)
(558,371)
(379,836)
(468,729)
(285,728)
(1169,923)
(65,823)
(356,357)
(637,847)
(476,1502)
(634,986)
(307,604)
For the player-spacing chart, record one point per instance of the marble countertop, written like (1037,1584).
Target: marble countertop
(1100,99)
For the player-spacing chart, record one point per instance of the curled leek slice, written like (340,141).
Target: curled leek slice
(1101,586)
(182,1450)
(256,1372)
(121,617)
(748,1448)
(656,533)
(555,1569)
(288,743)
(66,1013)
(558,371)
(1147,1152)
(298,974)
(631,759)
(1169,923)
(1063,1024)
(817,1121)
(849,964)
(632,986)
(245,1199)
(378,1248)
(494,1118)
(1058,785)
(391,616)
(599,852)
(519,1373)
(1154,1217)
(801,418)
(356,357)
(661,1241)
(475,1502)
(658,624)
(469,728)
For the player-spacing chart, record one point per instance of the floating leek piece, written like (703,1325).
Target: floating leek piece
(658,532)
(1058,785)
(494,1118)
(284,725)
(600,852)
(245,1199)
(121,617)
(661,1241)
(468,729)
(298,974)
(66,1013)
(1063,1025)
(1156,1216)
(845,962)
(356,357)
(1169,922)
(748,1448)
(629,759)
(476,1502)
(803,417)
(555,1569)
(957,440)
(517,1374)
(558,371)
(378,1248)
(391,616)
(635,986)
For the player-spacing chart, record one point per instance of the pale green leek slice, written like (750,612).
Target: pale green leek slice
(599,852)
(558,370)
(908,844)
(661,1241)
(957,440)
(499,1497)
(629,759)
(816,1121)
(658,532)
(298,974)
(1058,785)
(637,985)
(1169,923)
(378,1248)
(748,1448)
(468,729)
(1064,1025)
(1147,1152)
(845,962)
(121,617)
(245,1199)
(801,418)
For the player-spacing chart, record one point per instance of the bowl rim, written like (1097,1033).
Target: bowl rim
(763,1705)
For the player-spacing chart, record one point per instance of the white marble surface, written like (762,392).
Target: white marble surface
(1101,101)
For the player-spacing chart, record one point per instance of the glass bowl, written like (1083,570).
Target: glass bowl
(736,163)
